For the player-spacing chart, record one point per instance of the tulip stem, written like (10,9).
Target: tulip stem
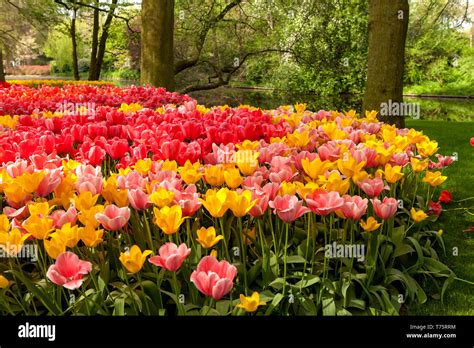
(285,259)
(243,254)
(148,230)
(181,310)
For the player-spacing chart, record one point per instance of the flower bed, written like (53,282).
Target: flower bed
(136,200)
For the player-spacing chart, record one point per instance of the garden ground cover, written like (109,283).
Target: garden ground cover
(454,137)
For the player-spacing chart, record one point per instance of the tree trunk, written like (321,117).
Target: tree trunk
(103,39)
(75,65)
(95,43)
(2,72)
(157,59)
(388,26)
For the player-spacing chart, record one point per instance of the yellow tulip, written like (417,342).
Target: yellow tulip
(30,181)
(371,116)
(207,237)
(216,202)
(214,175)
(134,259)
(12,242)
(40,209)
(3,282)
(427,148)
(393,174)
(38,227)
(87,217)
(370,225)
(434,178)
(214,253)
(69,165)
(298,139)
(250,303)
(240,203)
(91,237)
(418,216)
(247,161)
(4,223)
(162,197)
(418,165)
(190,172)
(69,234)
(316,167)
(15,192)
(289,188)
(349,167)
(85,200)
(168,219)
(169,165)
(55,245)
(307,189)
(335,183)
(232,178)
(248,145)
(143,166)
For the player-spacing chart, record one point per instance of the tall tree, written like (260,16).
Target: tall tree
(2,72)
(157,56)
(75,64)
(388,26)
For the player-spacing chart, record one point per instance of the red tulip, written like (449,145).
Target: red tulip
(446,197)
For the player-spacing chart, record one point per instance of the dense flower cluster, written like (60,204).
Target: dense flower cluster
(150,172)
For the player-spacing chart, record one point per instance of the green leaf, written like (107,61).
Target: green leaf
(119,307)
(274,304)
(44,297)
(294,259)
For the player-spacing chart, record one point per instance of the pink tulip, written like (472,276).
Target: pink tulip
(372,187)
(354,207)
(51,180)
(171,256)
(214,278)
(399,159)
(113,217)
(385,209)
(90,179)
(323,203)
(61,217)
(187,199)
(139,200)
(261,205)
(68,271)
(288,207)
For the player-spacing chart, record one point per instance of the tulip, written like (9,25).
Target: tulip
(372,187)
(435,208)
(113,218)
(393,174)
(213,278)
(323,203)
(139,200)
(134,259)
(61,217)
(4,282)
(169,219)
(232,178)
(11,242)
(385,209)
(69,234)
(418,215)
(354,207)
(446,197)
(162,197)
(190,172)
(418,165)
(214,175)
(216,202)
(55,245)
(434,178)
(288,208)
(316,167)
(90,236)
(427,148)
(207,237)
(68,271)
(87,217)
(247,161)
(171,257)
(38,227)
(240,202)
(370,225)
(85,201)
(250,303)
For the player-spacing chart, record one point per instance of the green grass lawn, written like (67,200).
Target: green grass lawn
(454,137)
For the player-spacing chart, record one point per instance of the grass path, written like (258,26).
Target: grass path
(454,137)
